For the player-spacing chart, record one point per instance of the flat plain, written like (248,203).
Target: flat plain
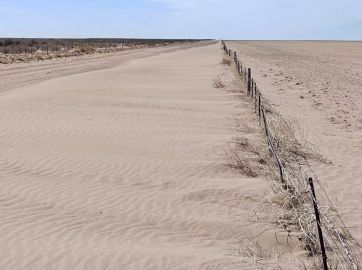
(122,160)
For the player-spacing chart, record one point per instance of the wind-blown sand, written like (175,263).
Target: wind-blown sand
(23,74)
(124,167)
(319,86)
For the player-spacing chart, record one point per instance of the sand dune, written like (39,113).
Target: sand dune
(124,168)
(318,85)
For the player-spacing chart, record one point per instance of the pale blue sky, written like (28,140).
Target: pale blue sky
(228,19)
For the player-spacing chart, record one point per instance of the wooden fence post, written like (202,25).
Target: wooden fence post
(259,106)
(255,90)
(319,227)
(252,88)
(255,99)
(249,80)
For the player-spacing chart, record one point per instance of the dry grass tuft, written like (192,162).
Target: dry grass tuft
(226,61)
(252,249)
(245,126)
(288,143)
(85,50)
(240,163)
(218,83)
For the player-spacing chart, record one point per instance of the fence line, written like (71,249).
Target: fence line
(296,181)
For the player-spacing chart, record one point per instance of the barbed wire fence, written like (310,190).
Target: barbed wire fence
(323,233)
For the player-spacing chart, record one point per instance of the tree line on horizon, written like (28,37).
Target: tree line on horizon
(4,42)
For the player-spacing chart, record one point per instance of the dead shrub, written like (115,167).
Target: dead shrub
(218,83)
(245,126)
(226,61)
(287,141)
(240,163)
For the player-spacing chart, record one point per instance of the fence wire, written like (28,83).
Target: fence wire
(294,173)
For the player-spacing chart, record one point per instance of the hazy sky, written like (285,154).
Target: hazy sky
(228,19)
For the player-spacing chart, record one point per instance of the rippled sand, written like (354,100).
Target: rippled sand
(119,163)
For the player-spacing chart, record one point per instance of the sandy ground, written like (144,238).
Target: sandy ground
(23,74)
(122,165)
(319,86)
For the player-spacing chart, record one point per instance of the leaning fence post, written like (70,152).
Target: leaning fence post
(320,233)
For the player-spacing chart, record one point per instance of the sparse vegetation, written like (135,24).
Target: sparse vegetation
(24,49)
(239,161)
(290,206)
(226,61)
(218,83)
(249,247)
